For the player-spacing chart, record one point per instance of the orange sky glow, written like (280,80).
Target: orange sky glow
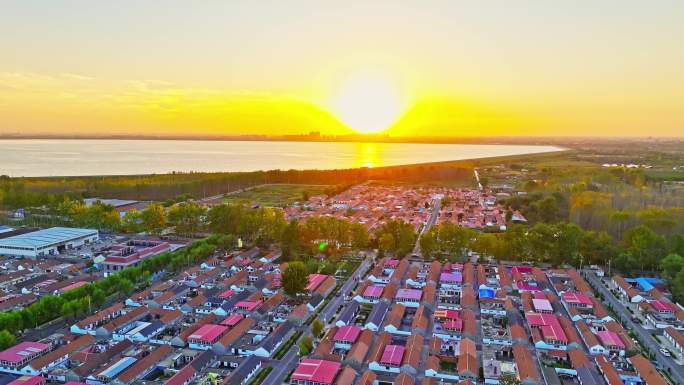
(445,68)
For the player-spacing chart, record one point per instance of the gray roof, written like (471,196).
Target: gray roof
(247,367)
(316,299)
(47,237)
(154,327)
(378,313)
(230,303)
(349,312)
(276,336)
(203,360)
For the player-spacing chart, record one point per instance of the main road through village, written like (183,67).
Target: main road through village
(288,362)
(644,336)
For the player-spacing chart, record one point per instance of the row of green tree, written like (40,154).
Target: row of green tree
(641,248)
(31,192)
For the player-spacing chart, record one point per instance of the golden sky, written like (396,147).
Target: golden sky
(427,68)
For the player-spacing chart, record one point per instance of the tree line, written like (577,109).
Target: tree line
(31,192)
(561,243)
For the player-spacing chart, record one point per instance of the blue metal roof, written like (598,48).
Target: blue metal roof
(487,292)
(47,237)
(118,367)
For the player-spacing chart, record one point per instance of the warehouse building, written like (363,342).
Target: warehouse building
(46,242)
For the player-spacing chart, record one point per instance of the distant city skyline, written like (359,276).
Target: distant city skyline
(401,68)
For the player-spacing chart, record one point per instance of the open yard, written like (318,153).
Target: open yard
(276,195)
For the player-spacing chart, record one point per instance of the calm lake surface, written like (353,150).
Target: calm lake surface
(56,157)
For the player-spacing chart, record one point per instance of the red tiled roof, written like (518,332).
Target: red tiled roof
(646,370)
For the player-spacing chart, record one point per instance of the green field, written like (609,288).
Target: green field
(279,195)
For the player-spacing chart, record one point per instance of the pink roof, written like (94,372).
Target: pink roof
(609,338)
(412,294)
(554,332)
(232,319)
(392,263)
(248,305)
(208,333)
(549,325)
(348,333)
(576,298)
(28,380)
(392,355)
(320,371)
(524,285)
(536,319)
(542,304)
(374,291)
(315,280)
(18,353)
(446,313)
(663,306)
(456,277)
(226,294)
(521,269)
(454,324)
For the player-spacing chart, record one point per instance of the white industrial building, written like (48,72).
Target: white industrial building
(51,241)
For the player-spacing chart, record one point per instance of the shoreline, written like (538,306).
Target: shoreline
(470,162)
(410,163)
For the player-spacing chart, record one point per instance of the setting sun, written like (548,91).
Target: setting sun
(368,103)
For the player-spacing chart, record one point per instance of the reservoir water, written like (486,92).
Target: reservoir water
(70,157)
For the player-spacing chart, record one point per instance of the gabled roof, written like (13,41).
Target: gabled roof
(609,338)
(359,350)
(378,313)
(404,379)
(414,348)
(145,363)
(383,340)
(646,370)
(525,363)
(420,320)
(319,371)
(101,315)
(347,376)
(41,362)
(207,319)
(392,355)
(237,331)
(347,333)
(368,378)
(609,372)
(578,358)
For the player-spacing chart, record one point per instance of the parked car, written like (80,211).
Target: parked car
(665,352)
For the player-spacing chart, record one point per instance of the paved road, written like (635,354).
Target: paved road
(285,365)
(644,336)
(329,311)
(432,219)
(282,367)
(477,179)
